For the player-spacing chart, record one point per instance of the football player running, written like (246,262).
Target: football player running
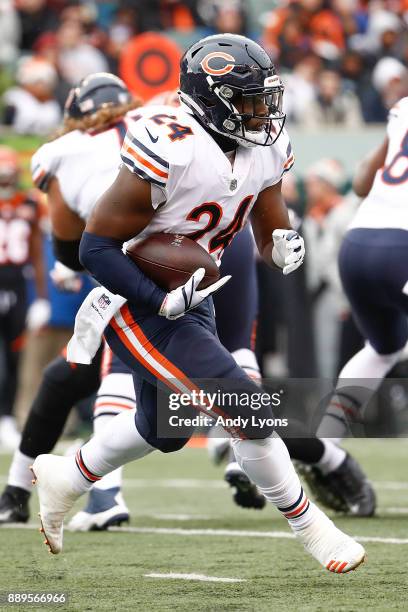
(374,274)
(87,148)
(73,170)
(173,164)
(333,475)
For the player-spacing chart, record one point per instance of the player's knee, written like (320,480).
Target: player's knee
(58,371)
(83,379)
(146,425)
(167,445)
(173,445)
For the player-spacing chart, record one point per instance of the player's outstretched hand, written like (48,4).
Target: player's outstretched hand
(184,298)
(65,279)
(38,314)
(288,250)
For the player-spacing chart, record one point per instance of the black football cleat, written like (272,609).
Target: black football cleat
(346,489)
(247,494)
(14,505)
(319,489)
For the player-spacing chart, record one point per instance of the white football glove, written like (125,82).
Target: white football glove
(65,279)
(184,298)
(38,314)
(288,250)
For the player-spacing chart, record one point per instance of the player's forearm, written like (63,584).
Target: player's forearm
(266,254)
(104,259)
(367,169)
(67,252)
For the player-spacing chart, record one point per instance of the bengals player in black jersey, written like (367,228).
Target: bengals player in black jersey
(20,243)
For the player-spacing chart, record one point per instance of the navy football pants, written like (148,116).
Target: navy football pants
(177,353)
(373,265)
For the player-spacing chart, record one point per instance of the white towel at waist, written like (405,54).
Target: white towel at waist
(94,315)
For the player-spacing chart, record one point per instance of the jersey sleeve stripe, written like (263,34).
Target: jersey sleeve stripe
(139,145)
(137,170)
(289,163)
(138,159)
(41,178)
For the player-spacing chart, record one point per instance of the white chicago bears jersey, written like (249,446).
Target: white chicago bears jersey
(197,192)
(387,203)
(85,164)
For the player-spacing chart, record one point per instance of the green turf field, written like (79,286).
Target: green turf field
(183,522)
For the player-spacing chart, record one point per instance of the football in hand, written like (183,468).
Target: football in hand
(170,259)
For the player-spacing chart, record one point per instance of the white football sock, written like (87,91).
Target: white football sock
(358,380)
(333,456)
(113,479)
(20,474)
(115,445)
(268,465)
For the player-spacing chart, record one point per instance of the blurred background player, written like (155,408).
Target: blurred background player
(373,275)
(30,107)
(334,476)
(20,244)
(73,170)
(373,271)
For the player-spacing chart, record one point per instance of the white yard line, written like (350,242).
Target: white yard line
(200,577)
(389,485)
(392,510)
(167,483)
(175,483)
(236,533)
(202,483)
(182,517)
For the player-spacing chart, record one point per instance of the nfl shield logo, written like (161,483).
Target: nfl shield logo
(233,184)
(103,302)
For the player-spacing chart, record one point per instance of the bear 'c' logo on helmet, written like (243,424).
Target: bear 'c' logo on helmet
(205,63)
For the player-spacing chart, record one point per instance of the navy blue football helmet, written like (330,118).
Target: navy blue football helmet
(95,91)
(225,80)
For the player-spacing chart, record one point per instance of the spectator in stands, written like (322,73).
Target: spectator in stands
(292,43)
(347,13)
(356,73)
(30,107)
(300,87)
(390,78)
(326,30)
(76,57)
(332,106)
(324,181)
(121,29)
(9,33)
(383,33)
(179,14)
(35,19)
(224,16)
